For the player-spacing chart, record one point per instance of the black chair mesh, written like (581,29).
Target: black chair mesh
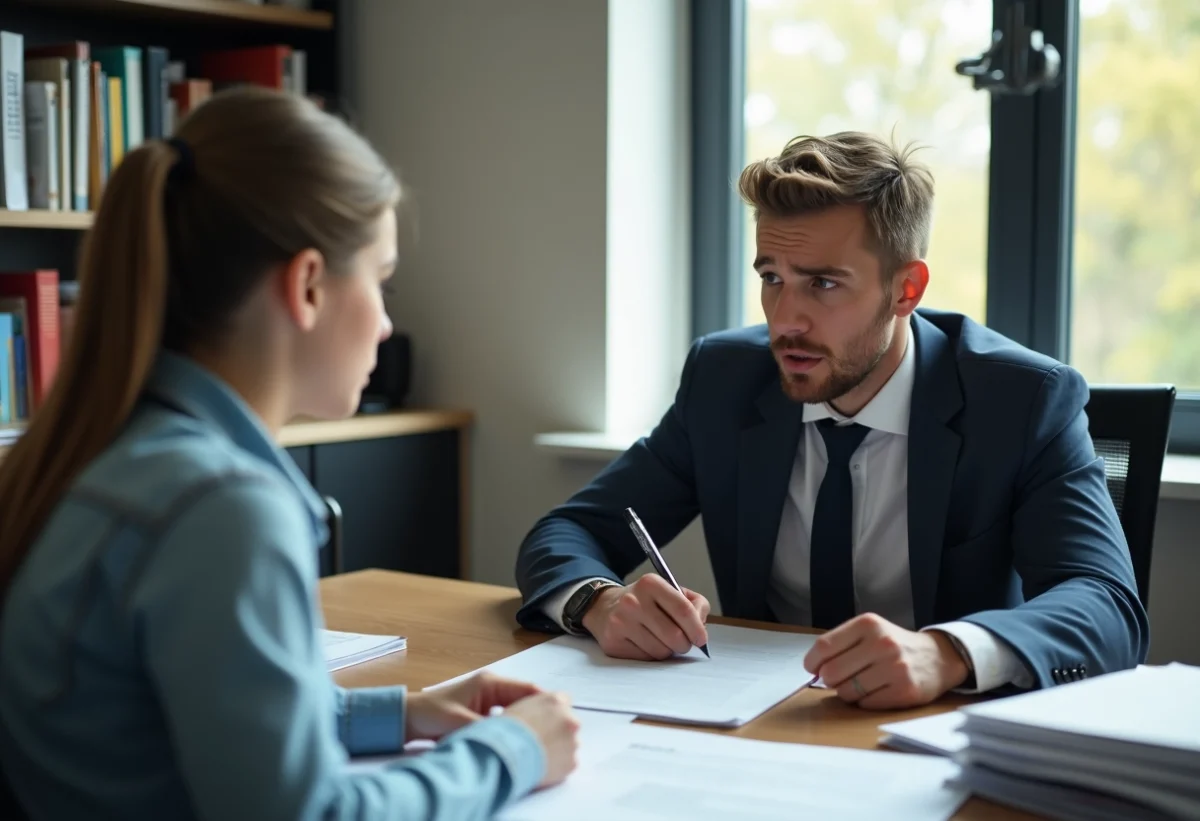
(1115,453)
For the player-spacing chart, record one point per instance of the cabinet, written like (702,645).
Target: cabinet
(399,479)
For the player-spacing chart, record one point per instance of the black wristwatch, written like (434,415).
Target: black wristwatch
(579,603)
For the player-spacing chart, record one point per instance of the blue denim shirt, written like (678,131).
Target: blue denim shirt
(160,648)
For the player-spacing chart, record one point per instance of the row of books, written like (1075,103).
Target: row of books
(31,325)
(69,112)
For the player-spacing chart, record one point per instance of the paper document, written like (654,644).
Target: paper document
(635,772)
(939,735)
(347,649)
(750,671)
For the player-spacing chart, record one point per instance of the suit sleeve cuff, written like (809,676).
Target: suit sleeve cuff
(993,662)
(557,603)
(371,719)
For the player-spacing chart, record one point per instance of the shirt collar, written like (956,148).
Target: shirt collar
(184,385)
(889,409)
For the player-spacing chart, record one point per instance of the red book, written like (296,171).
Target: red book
(74,50)
(261,65)
(189,94)
(40,291)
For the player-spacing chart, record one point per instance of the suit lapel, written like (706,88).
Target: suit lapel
(932,459)
(766,455)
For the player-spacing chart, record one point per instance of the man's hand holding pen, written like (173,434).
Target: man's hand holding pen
(647,620)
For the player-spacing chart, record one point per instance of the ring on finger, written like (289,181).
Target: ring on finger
(858,688)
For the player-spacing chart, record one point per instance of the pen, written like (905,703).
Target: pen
(656,559)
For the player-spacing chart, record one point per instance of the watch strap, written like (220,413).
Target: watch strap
(577,605)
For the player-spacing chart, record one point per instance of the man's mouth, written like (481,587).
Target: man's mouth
(798,361)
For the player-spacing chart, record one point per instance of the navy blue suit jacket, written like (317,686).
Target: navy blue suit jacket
(1010,524)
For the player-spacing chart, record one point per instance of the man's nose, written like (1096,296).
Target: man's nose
(790,314)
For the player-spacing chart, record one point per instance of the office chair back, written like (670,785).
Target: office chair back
(1129,426)
(10,809)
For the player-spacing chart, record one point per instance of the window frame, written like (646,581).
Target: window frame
(1031,165)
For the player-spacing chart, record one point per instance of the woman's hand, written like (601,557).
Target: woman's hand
(557,729)
(432,714)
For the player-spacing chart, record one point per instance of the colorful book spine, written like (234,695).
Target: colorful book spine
(124,63)
(41,144)
(14,191)
(7,370)
(57,70)
(77,53)
(39,289)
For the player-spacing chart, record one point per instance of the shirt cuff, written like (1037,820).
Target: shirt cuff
(371,719)
(993,662)
(514,744)
(557,603)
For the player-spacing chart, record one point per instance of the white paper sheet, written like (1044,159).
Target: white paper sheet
(634,772)
(939,735)
(347,649)
(750,671)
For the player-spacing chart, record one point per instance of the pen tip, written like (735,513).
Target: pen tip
(704,650)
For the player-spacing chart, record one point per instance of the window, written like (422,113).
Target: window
(1067,219)
(885,66)
(1135,312)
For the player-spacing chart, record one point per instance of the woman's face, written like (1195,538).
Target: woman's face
(353,322)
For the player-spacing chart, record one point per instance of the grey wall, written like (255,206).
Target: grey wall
(495,115)
(1175,584)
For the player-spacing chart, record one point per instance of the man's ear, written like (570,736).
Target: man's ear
(911,282)
(302,281)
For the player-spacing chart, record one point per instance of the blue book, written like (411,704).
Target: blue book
(21,374)
(7,369)
(22,395)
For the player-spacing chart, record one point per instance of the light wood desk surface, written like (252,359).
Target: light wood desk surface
(454,627)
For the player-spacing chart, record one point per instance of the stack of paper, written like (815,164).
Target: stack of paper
(1123,745)
(347,649)
(935,735)
(750,671)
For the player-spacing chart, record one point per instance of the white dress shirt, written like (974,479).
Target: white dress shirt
(882,585)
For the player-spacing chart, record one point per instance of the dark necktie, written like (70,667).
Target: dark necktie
(831,557)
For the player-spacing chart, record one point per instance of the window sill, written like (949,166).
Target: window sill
(1180,477)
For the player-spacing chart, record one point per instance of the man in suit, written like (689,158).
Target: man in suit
(921,486)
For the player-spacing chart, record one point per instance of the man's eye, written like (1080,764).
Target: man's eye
(823,284)
(769,279)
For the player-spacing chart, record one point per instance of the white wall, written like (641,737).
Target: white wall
(495,114)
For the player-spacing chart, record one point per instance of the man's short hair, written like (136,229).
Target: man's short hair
(850,168)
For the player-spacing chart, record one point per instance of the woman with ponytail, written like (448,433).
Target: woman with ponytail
(159,647)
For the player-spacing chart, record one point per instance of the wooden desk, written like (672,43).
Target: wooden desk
(454,627)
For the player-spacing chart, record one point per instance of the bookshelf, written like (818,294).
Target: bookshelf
(400,477)
(141,65)
(38,218)
(205,11)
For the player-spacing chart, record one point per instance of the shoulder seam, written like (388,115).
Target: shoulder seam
(1025,366)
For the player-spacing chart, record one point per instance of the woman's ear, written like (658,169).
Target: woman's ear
(302,281)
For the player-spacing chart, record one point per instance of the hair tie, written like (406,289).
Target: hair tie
(185,163)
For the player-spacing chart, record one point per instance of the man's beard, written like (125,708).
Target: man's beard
(847,372)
